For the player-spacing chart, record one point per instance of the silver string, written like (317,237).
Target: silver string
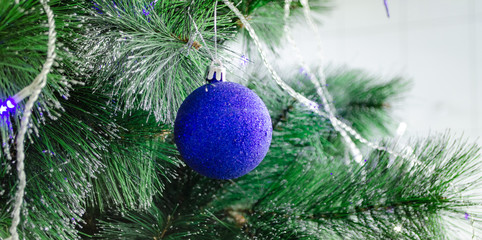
(215,29)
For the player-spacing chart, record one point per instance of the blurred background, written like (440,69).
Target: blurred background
(435,43)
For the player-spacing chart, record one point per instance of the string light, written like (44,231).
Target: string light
(32,91)
(8,106)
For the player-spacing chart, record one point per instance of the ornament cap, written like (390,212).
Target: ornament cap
(217,73)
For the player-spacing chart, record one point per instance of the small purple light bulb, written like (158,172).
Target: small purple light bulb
(11,103)
(8,106)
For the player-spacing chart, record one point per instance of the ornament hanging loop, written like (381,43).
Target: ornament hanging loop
(217,72)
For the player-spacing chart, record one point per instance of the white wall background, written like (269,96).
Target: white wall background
(436,43)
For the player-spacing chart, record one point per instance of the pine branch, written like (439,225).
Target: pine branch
(153,68)
(388,207)
(393,190)
(180,214)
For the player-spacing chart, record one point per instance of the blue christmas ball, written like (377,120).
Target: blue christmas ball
(223,130)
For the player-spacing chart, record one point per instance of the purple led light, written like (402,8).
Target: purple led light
(10,103)
(8,106)
(467,216)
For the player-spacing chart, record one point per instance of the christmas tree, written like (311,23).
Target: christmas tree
(90,91)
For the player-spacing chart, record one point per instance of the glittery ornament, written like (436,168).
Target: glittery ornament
(222,129)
